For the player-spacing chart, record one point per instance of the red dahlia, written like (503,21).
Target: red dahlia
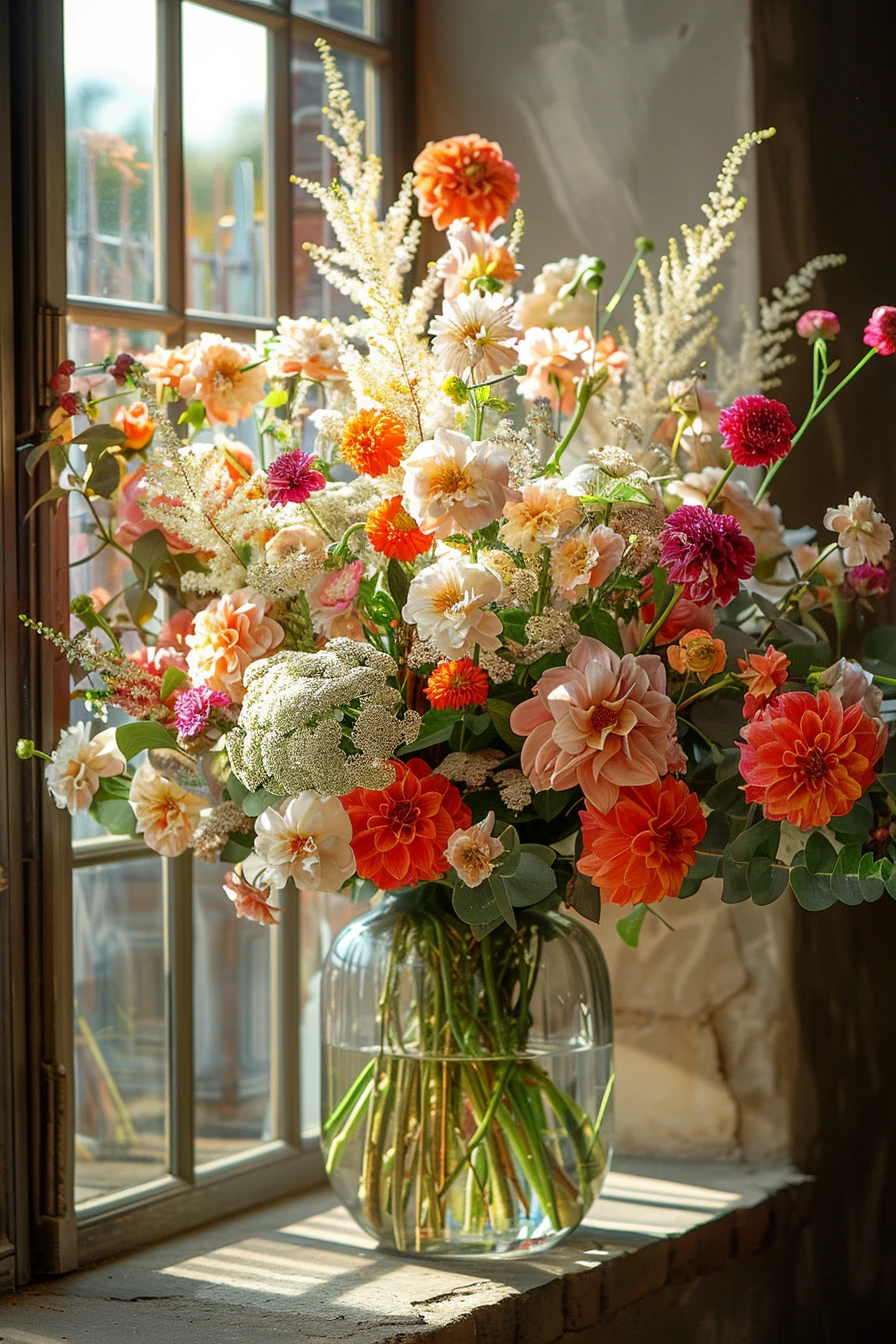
(757,431)
(707,552)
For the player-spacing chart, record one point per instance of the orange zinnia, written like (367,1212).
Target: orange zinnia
(455,685)
(135,423)
(394,533)
(807,760)
(762,674)
(642,849)
(372,442)
(399,834)
(465,177)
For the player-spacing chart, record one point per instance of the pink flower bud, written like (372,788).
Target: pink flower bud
(818,322)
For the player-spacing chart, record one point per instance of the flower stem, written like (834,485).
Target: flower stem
(643,247)
(720,484)
(552,466)
(662,618)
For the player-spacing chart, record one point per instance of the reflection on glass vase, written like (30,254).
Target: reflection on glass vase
(467,1085)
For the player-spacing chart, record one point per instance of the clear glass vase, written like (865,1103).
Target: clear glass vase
(467,1085)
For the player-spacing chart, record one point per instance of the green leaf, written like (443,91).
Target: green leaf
(140,603)
(716,838)
(727,795)
(475,905)
(37,453)
(767,880)
(737,643)
(857,821)
(513,622)
(584,897)
(436,727)
(150,552)
(480,931)
(253,804)
(509,861)
(543,852)
(399,583)
(534,879)
(720,718)
(821,857)
(798,634)
(103,472)
(499,404)
(803,657)
(278,396)
(599,624)
(500,711)
(812,891)
(552,802)
(882,644)
(101,436)
(135,737)
(194,415)
(735,883)
(689,887)
(171,679)
(115,815)
(887,774)
(54,492)
(501,892)
(238,848)
(629,927)
(662,590)
(870,879)
(761,839)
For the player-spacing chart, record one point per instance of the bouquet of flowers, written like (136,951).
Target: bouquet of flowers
(488,608)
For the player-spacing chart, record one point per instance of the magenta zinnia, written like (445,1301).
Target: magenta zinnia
(757,431)
(707,553)
(291,478)
(881,330)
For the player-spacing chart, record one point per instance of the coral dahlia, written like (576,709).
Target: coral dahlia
(456,684)
(707,552)
(372,441)
(394,533)
(756,431)
(642,849)
(465,177)
(762,674)
(400,833)
(806,760)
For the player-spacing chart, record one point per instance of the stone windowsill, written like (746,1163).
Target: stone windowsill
(301,1270)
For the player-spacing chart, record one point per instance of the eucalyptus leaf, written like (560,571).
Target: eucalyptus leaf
(761,839)
(767,880)
(399,582)
(584,897)
(115,815)
(532,881)
(735,882)
(501,894)
(821,857)
(629,927)
(475,905)
(253,804)
(812,891)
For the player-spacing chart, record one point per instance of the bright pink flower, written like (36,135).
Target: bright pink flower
(868,580)
(881,330)
(756,431)
(707,552)
(818,322)
(601,722)
(291,478)
(193,709)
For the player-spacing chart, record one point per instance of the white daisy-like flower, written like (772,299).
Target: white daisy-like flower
(476,337)
(862,534)
(447,601)
(78,764)
(306,839)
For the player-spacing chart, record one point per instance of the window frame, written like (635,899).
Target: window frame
(63,1238)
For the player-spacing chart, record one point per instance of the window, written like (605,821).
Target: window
(194,1035)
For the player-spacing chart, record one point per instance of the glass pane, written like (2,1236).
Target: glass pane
(110,154)
(322,915)
(312,297)
(225,97)
(120,1032)
(232,1016)
(362,16)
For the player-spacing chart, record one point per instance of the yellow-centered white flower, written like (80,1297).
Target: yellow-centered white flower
(475,337)
(78,764)
(447,601)
(306,839)
(453,484)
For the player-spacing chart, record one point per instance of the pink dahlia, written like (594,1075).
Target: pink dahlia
(601,722)
(707,552)
(881,330)
(756,431)
(193,709)
(291,478)
(818,322)
(868,580)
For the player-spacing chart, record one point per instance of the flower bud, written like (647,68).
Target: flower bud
(25,749)
(456,389)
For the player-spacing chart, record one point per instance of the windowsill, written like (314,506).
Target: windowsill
(301,1269)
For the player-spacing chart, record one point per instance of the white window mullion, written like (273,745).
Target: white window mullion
(178,892)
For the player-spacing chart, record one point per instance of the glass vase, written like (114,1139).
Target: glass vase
(466,1084)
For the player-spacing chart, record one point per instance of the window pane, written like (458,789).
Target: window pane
(110,94)
(362,16)
(232,1016)
(312,297)
(120,1033)
(224,101)
(322,915)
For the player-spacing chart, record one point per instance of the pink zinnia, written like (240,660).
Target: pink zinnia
(818,322)
(193,709)
(291,478)
(707,552)
(881,330)
(756,431)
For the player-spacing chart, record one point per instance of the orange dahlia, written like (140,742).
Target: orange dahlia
(372,441)
(399,834)
(807,760)
(465,177)
(456,684)
(642,849)
(394,533)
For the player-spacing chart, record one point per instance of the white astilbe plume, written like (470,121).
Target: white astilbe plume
(674,320)
(369,263)
(761,356)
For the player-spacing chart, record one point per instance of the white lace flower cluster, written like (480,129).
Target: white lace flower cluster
(302,710)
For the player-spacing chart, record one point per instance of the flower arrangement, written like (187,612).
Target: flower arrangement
(495,609)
